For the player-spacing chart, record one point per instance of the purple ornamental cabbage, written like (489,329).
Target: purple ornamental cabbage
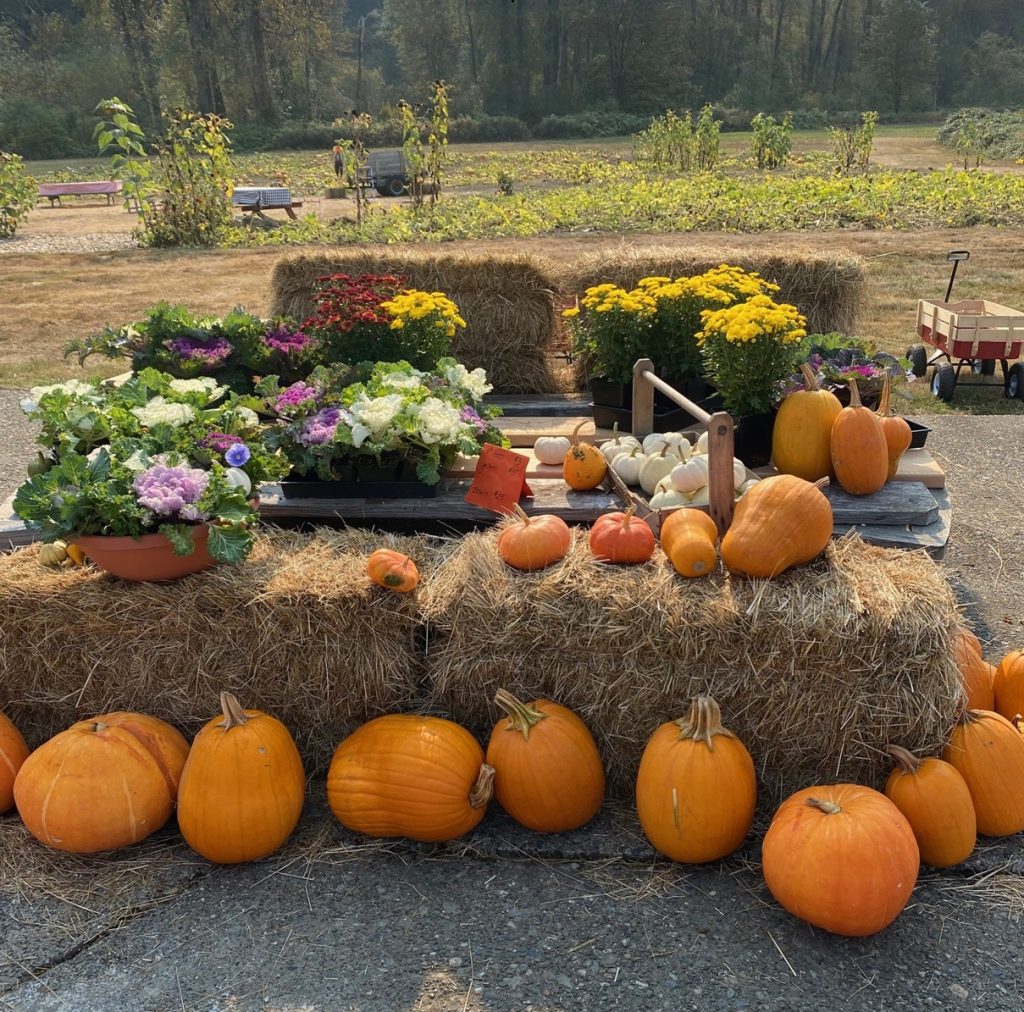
(172,491)
(298,395)
(470,415)
(220,442)
(286,341)
(320,428)
(209,354)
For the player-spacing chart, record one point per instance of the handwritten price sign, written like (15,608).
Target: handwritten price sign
(499,481)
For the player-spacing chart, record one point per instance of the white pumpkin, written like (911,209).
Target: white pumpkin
(702,443)
(665,485)
(739,472)
(743,489)
(657,467)
(690,476)
(627,466)
(669,499)
(611,448)
(656,440)
(700,498)
(551,449)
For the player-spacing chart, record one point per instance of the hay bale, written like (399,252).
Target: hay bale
(815,671)
(507,303)
(298,631)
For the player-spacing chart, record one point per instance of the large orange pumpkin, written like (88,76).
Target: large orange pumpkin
(103,783)
(841,857)
(860,455)
(988,752)
(585,466)
(802,436)
(696,788)
(547,770)
(895,429)
(977,675)
(392,570)
(242,788)
(621,538)
(533,542)
(972,640)
(781,522)
(1008,685)
(936,802)
(13,752)
(406,775)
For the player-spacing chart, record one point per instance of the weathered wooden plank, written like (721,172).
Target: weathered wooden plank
(545,405)
(915,465)
(932,537)
(896,503)
(526,431)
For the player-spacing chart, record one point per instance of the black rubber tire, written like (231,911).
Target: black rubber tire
(984,367)
(394,187)
(1015,381)
(918,356)
(943,382)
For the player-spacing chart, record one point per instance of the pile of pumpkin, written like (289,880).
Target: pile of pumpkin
(841,856)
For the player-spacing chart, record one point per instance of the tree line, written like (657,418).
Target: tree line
(264,62)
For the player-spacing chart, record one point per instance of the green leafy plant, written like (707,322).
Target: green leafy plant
(17,194)
(668,142)
(772,140)
(705,135)
(851,145)
(119,135)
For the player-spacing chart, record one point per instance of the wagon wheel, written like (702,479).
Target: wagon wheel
(944,382)
(918,356)
(983,366)
(1015,382)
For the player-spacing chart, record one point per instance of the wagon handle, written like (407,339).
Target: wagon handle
(955,256)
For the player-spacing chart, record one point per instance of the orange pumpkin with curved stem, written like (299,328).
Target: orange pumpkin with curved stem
(936,802)
(242,788)
(13,752)
(895,429)
(408,775)
(802,435)
(585,466)
(841,857)
(547,770)
(392,570)
(621,538)
(860,455)
(533,542)
(696,788)
(988,752)
(978,675)
(1008,685)
(103,783)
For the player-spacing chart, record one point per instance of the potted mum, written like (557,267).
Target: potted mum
(382,430)
(138,517)
(749,348)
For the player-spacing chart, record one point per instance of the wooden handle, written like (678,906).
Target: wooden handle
(721,487)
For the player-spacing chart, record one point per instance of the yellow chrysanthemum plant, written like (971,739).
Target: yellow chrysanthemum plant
(424,320)
(749,348)
(610,328)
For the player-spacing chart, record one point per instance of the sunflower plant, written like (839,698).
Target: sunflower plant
(749,348)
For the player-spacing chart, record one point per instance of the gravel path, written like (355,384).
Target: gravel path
(88,242)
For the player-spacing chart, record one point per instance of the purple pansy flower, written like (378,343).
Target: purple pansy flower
(237,455)
(172,491)
(209,353)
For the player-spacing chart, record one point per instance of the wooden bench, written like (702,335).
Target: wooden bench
(259,208)
(54,191)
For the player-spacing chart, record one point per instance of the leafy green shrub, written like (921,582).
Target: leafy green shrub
(851,144)
(705,135)
(772,140)
(42,130)
(590,124)
(984,133)
(475,129)
(17,193)
(667,143)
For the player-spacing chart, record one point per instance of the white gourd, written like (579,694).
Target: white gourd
(627,466)
(657,467)
(669,499)
(690,476)
(665,485)
(656,440)
(745,487)
(551,449)
(702,443)
(739,472)
(611,448)
(700,498)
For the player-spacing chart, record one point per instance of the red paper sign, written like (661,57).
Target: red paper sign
(499,481)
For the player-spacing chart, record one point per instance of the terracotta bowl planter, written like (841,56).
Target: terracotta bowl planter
(149,559)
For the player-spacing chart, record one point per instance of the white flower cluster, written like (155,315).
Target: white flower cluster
(76,388)
(207,386)
(373,416)
(474,383)
(439,422)
(159,411)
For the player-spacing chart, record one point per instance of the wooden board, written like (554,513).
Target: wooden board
(931,537)
(897,503)
(526,431)
(915,465)
(540,405)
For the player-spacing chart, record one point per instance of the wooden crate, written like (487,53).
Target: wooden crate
(971,328)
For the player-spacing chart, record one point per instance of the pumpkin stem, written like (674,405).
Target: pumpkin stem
(521,513)
(234,715)
(823,482)
(627,517)
(483,789)
(99,726)
(824,806)
(520,716)
(576,431)
(703,722)
(810,379)
(909,763)
(854,394)
(883,405)
(1017,721)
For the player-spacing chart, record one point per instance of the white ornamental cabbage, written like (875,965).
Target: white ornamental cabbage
(474,383)
(247,417)
(76,388)
(439,422)
(205,385)
(411,380)
(161,412)
(377,413)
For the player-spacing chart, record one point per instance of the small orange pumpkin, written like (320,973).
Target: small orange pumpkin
(696,788)
(1008,685)
(392,570)
(978,675)
(988,752)
(621,538)
(13,752)
(895,429)
(547,770)
(860,455)
(408,775)
(801,437)
(692,553)
(103,783)
(533,542)
(841,857)
(936,802)
(685,519)
(242,788)
(585,466)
